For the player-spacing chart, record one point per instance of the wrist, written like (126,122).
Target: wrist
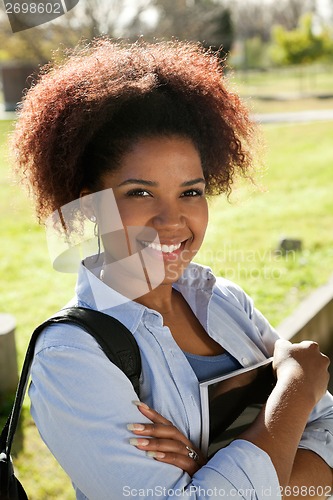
(295,396)
(296,387)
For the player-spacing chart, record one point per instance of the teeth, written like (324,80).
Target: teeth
(161,248)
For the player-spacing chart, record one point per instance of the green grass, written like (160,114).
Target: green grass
(262,105)
(30,290)
(312,79)
(288,88)
(296,201)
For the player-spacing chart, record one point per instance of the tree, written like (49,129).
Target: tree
(251,19)
(88,19)
(221,31)
(207,21)
(301,45)
(256,18)
(288,13)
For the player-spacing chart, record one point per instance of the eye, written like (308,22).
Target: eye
(138,193)
(192,193)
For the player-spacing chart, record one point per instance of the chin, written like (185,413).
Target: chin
(173,272)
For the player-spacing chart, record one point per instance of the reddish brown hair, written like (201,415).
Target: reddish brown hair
(83,113)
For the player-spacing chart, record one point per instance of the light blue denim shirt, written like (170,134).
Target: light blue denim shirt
(82,403)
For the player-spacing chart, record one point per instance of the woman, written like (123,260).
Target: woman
(145,132)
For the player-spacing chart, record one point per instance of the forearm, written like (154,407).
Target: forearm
(279,427)
(311,477)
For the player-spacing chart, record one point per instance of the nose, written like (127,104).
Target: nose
(169,215)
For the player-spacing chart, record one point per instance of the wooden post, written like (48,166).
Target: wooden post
(8,362)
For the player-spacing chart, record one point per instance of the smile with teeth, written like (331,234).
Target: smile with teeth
(161,248)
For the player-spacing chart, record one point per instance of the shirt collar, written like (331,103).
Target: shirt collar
(196,277)
(93,293)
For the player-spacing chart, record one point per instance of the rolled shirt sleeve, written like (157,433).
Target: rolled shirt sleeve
(318,434)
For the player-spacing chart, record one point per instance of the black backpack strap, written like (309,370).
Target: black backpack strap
(115,339)
(117,342)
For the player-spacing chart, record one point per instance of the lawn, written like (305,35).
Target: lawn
(30,290)
(286,89)
(293,198)
(312,79)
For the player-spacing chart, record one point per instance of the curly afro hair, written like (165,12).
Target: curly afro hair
(84,112)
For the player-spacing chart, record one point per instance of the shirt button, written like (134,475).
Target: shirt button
(245,361)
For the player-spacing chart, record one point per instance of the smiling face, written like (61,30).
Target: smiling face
(159,189)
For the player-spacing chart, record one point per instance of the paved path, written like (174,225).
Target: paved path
(6,115)
(296,116)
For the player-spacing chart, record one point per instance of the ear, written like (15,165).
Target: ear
(86,204)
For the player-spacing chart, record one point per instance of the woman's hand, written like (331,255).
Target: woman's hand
(164,442)
(304,366)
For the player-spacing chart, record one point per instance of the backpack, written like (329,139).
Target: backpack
(119,346)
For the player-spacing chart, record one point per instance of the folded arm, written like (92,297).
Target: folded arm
(279,427)
(82,405)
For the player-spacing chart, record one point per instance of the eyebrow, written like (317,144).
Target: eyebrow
(144,182)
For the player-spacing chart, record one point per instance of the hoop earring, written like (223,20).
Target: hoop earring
(98,236)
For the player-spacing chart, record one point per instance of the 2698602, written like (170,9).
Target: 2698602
(33,8)
(306,491)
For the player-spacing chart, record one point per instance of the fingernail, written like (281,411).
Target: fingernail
(139,403)
(135,427)
(139,442)
(155,454)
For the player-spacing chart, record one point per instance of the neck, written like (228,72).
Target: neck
(129,283)
(160,299)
